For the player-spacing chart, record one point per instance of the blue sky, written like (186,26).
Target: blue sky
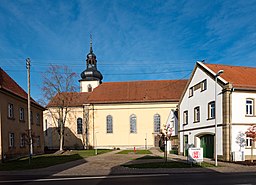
(133,40)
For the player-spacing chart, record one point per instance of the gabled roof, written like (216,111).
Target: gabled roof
(69,99)
(238,76)
(123,92)
(9,85)
(138,91)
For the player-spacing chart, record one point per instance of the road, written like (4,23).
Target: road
(149,179)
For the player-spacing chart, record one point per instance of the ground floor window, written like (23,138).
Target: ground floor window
(11,140)
(249,142)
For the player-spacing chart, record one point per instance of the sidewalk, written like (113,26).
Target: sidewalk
(223,167)
(110,164)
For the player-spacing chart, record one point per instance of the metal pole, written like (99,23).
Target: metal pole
(216,156)
(29,120)
(216,145)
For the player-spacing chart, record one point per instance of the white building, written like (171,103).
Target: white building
(235,109)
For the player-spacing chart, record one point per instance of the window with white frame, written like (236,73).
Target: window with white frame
(197,114)
(249,107)
(133,122)
(22,140)
(22,117)
(109,120)
(10,111)
(79,126)
(249,142)
(157,123)
(11,140)
(185,117)
(211,110)
(203,85)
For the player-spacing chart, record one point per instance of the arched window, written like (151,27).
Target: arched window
(109,121)
(133,122)
(89,88)
(79,126)
(157,123)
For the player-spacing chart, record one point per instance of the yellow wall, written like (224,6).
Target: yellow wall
(97,132)
(121,136)
(18,127)
(71,138)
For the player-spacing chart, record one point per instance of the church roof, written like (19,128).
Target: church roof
(138,91)
(9,85)
(238,76)
(71,99)
(124,92)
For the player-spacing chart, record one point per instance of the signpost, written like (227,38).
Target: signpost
(195,155)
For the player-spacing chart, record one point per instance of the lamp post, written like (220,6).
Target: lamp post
(216,78)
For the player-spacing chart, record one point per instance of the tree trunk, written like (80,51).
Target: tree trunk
(252,147)
(61,130)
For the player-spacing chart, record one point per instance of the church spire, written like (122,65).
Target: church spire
(91,51)
(91,73)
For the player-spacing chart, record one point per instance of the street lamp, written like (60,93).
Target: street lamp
(216,78)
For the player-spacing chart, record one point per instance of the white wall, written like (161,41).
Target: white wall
(84,85)
(241,122)
(201,99)
(239,108)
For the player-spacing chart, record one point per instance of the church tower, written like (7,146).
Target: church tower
(91,77)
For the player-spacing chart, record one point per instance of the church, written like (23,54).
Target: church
(115,114)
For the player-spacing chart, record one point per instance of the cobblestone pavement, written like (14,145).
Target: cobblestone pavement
(110,164)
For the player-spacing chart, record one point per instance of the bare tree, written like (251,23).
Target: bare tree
(251,133)
(59,91)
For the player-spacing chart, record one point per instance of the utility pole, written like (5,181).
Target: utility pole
(29,119)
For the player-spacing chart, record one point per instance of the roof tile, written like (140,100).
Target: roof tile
(138,91)
(239,76)
(8,84)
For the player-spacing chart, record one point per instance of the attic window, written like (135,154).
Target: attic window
(191,91)
(203,85)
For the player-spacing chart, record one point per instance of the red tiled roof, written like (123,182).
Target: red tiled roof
(71,99)
(138,91)
(240,77)
(8,84)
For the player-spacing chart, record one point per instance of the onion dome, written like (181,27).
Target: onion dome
(91,73)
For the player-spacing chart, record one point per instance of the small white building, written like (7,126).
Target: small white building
(235,110)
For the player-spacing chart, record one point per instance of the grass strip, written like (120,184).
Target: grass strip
(46,160)
(136,152)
